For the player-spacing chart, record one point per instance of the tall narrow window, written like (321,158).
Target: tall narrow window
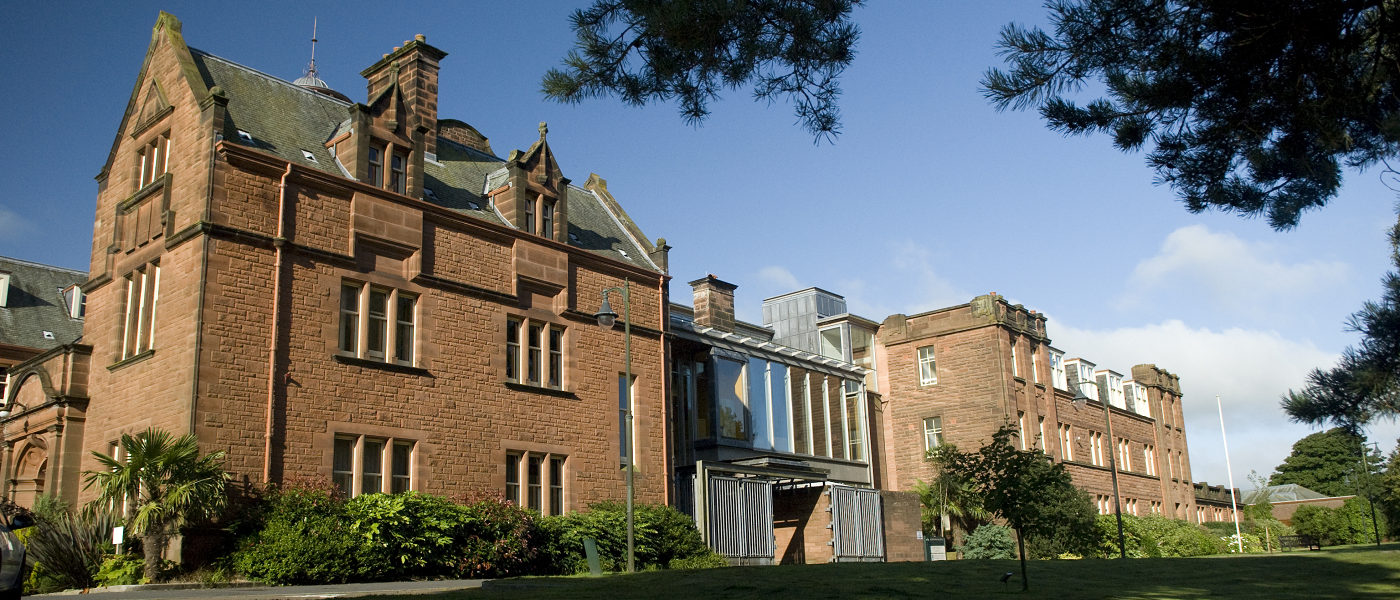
(733,399)
(349,318)
(556,357)
(547,218)
(343,466)
(855,437)
(398,180)
(928,370)
(378,323)
(757,375)
(1015,361)
(512,349)
(1066,442)
(933,433)
(513,479)
(402,460)
(527,218)
(534,357)
(149,325)
(535,482)
(556,485)
(1035,365)
(801,420)
(375,175)
(778,401)
(624,392)
(372,466)
(403,329)
(1040,439)
(1021,427)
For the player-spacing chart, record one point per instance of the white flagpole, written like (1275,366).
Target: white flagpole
(1235,511)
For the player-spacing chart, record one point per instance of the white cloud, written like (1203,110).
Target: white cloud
(908,284)
(1249,369)
(778,278)
(11,224)
(1236,275)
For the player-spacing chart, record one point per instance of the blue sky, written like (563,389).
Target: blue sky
(928,198)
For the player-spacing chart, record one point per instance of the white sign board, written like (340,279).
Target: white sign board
(117,534)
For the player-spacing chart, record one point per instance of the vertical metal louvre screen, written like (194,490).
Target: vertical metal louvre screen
(741,517)
(856,531)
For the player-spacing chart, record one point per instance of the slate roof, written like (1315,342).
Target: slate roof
(35,305)
(285,120)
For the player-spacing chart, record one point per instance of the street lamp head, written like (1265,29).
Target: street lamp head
(606,317)
(1080,400)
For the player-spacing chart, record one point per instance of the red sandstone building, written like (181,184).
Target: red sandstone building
(360,291)
(956,374)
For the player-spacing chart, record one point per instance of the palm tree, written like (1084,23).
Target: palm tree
(164,483)
(949,496)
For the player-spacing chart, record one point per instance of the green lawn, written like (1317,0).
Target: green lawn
(1345,572)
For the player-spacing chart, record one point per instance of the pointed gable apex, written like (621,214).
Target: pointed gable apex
(167,27)
(153,106)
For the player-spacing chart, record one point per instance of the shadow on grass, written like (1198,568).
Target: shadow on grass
(1349,572)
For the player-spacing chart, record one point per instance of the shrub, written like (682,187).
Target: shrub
(990,542)
(124,569)
(495,539)
(1175,538)
(663,536)
(708,560)
(71,547)
(1135,541)
(305,537)
(407,534)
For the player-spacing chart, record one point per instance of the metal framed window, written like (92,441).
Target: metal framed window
(138,320)
(513,478)
(398,180)
(155,159)
(375,173)
(1015,360)
(556,356)
(928,368)
(370,465)
(538,358)
(933,433)
(547,218)
(527,218)
(366,314)
(534,356)
(535,480)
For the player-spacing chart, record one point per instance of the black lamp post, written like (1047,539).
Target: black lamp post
(606,319)
(1081,400)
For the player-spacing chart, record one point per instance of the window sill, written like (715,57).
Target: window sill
(383,366)
(534,389)
(131,360)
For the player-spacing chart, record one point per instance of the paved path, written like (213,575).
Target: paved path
(348,590)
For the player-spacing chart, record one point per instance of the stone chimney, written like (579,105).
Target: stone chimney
(714,303)
(416,66)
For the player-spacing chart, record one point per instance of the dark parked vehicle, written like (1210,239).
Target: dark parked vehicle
(12,557)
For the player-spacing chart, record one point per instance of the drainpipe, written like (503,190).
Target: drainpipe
(277,243)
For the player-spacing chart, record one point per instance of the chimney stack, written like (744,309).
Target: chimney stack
(416,66)
(714,303)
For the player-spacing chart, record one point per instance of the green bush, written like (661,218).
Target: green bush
(1137,543)
(1175,538)
(663,536)
(124,569)
(70,546)
(1348,524)
(708,560)
(305,536)
(990,542)
(495,539)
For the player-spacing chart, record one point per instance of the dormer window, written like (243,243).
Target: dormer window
(4,288)
(75,301)
(398,180)
(375,176)
(547,219)
(155,159)
(527,221)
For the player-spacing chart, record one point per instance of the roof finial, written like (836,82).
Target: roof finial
(544,128)
(311,70)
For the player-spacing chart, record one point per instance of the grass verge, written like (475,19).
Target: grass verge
(1361,572)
